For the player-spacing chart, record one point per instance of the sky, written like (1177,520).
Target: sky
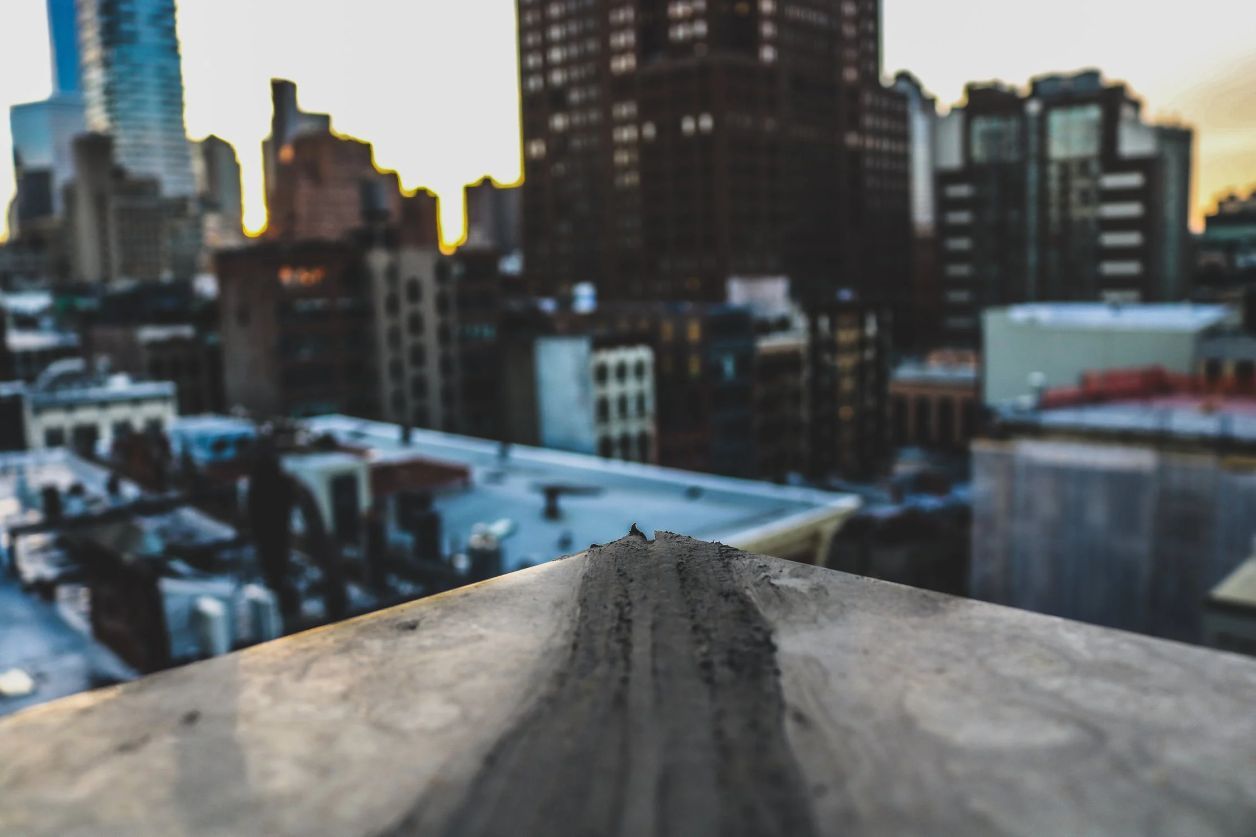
(434,83)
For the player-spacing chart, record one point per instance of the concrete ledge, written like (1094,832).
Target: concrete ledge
(658,687)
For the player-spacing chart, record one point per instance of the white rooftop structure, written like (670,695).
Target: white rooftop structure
(1051,345)
(1109,316)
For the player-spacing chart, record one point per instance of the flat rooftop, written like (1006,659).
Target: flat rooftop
(1174,416)
(652,497)
(22,475)
(665,687)
(212,424)
(40,341)
(1239,588)
(1127,317)
(112,391)
(936,373)
(61,660)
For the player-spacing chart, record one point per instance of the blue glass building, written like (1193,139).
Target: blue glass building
(63,30)
(133,87)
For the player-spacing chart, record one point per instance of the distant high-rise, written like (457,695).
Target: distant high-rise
(116,225)
(43,132)
(218,184)
(287,122)
(43,157)
(320,185)
(1062,194)
(671,146)
(133,87)
(63,32)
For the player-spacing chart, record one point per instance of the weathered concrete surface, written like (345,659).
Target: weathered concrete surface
(665,687)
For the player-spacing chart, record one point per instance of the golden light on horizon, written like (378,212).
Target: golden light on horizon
(433,84)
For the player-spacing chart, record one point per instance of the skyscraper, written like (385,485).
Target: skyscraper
(1066,193)
(287,122)
(133,87)
(672,145)
(221,208)
(63,32)
(43,132)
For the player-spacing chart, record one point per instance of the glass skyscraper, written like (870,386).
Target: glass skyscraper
(133,87)
(63,29)
(43,131)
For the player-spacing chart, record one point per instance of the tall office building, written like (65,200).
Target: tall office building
(287,122)
(1066,193)
(43,132)
(133,87)
(116,226)
(64,35)
(671,146)
(917,320)
(320,185)
(218,184)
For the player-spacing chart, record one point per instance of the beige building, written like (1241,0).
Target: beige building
(416,335)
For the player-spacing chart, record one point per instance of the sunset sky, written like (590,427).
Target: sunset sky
(433,83)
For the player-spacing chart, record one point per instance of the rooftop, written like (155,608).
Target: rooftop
(61,660)
(1185,317)
(1186,417)
(161,333)
(24,340)
(671,686)
(936,373)
(117,388)
(22,475)
(608,496)
(1239,588)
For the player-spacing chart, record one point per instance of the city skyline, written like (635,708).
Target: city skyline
(468,78)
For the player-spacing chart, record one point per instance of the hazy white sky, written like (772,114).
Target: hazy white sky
(433,83)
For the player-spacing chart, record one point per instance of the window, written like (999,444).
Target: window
(639,370)
(603,409)
(414,291)
(84,437)
(996,139)
(641,405)
(623,406)
(54,437)
(605,447)
(1074,133)
(621,371)
(600,373)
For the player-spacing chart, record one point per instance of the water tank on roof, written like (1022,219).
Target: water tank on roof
(211,627)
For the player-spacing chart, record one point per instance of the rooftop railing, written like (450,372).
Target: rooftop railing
(648,687)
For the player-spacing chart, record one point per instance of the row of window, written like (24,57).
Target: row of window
(601,371)
(83,437)
(626,447)
(623,405)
